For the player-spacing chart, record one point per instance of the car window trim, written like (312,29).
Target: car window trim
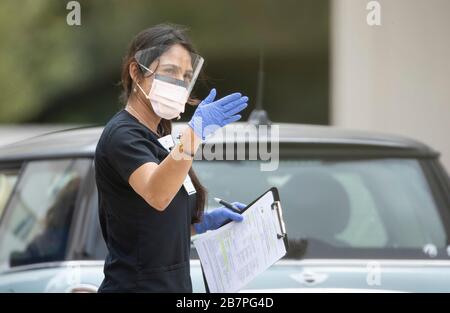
(331,150)
(20,166)
(79,227)
(438,193)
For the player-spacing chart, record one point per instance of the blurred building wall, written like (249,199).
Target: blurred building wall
(394,77)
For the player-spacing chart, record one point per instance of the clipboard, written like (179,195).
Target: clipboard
(276,207)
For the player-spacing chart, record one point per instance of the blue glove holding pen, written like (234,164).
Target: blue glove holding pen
(215,218)
(211,115)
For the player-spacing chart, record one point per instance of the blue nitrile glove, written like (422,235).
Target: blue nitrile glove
(211,115)
(215,218)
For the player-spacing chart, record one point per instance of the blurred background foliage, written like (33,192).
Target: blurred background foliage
(54,73)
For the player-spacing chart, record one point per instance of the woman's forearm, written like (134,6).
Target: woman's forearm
(166,179)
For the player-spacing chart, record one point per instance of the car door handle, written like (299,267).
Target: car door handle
(82,288)
(309,278)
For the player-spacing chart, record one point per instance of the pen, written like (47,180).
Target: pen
(228,205)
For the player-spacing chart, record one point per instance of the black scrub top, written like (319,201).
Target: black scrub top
(148,250)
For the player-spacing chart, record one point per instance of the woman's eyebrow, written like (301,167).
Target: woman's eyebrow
(176,67)
(170,65)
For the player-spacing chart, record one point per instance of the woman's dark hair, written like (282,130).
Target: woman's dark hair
(162,35)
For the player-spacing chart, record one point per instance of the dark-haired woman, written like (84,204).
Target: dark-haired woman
(150,200)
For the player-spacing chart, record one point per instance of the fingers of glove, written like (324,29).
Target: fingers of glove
(233,216)
(236,109)
(210,98)
(239,205)
(232,119)
(199,228)
(229,98)
(231,105)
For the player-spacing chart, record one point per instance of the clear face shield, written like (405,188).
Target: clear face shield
(175,71)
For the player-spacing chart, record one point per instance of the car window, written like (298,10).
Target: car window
(376,207)
(37,219)
(8,179)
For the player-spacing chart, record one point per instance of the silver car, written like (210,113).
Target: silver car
(364,212)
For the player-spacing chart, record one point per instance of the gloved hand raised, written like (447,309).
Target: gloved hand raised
(211,115)
(215,218)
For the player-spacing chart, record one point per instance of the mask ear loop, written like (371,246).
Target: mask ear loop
(142,68)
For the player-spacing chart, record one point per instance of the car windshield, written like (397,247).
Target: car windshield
(36,222)
(380,208)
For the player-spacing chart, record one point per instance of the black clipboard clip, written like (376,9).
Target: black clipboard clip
(276,205)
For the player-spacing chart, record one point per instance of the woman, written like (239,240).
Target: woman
(150,200)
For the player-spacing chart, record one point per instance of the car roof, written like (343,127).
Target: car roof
(16,132)
(82,141)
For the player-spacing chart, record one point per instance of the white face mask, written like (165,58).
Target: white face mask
(167,99)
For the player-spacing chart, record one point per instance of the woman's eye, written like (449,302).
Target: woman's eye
(169,70)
